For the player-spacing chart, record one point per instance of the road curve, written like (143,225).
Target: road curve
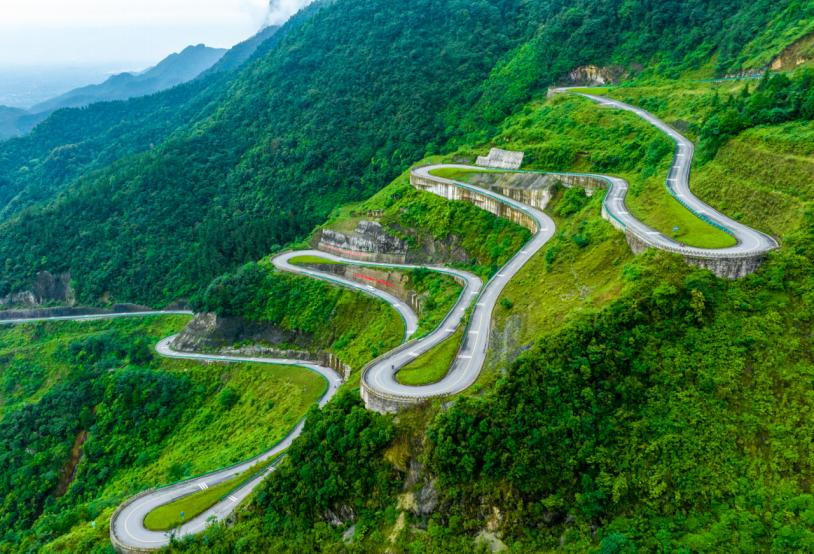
(283,263)
(127,524)
(750,242)
(380,375)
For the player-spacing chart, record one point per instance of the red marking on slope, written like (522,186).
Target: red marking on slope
(368,278)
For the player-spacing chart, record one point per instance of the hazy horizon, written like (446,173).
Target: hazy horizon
(48,47)
(128,34)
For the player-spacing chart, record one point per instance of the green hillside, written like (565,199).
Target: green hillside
(351,94)
(96,389)
(629,403)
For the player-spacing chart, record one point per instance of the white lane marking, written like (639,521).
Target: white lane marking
(203,486)
(233,499)
(474,332)
(413,354)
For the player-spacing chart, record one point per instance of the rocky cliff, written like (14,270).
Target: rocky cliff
(208,332)
(46,288)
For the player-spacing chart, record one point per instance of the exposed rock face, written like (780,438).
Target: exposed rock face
(421,503)
(45,288)
(340,515)
(369,241)
(594,75)
(209,331)
(394,282)
(797,54)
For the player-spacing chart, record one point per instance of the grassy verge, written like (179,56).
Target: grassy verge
(318,260)
(168,516)
(458,174)
(592,90)
(431,366)
(650,201)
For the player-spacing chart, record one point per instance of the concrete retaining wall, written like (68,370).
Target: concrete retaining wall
(380,257)
(501,159)
(452,192)
(387,403)
(727,266)
(383,279)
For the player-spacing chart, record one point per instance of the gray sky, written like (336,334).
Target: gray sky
(130,33)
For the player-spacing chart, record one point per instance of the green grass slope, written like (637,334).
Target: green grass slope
(321,316)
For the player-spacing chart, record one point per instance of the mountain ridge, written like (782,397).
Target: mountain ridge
(177,68)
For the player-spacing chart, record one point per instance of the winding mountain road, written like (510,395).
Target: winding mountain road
(749,241)
(127,524)
(378,378)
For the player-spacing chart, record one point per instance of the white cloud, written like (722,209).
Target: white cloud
(280,10)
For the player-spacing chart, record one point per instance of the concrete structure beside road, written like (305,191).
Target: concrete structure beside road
(501,159)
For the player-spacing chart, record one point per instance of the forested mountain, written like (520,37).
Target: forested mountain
(174,70)
(627,402)
(240,53)
(9,121)
(171,71)
(344,103)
